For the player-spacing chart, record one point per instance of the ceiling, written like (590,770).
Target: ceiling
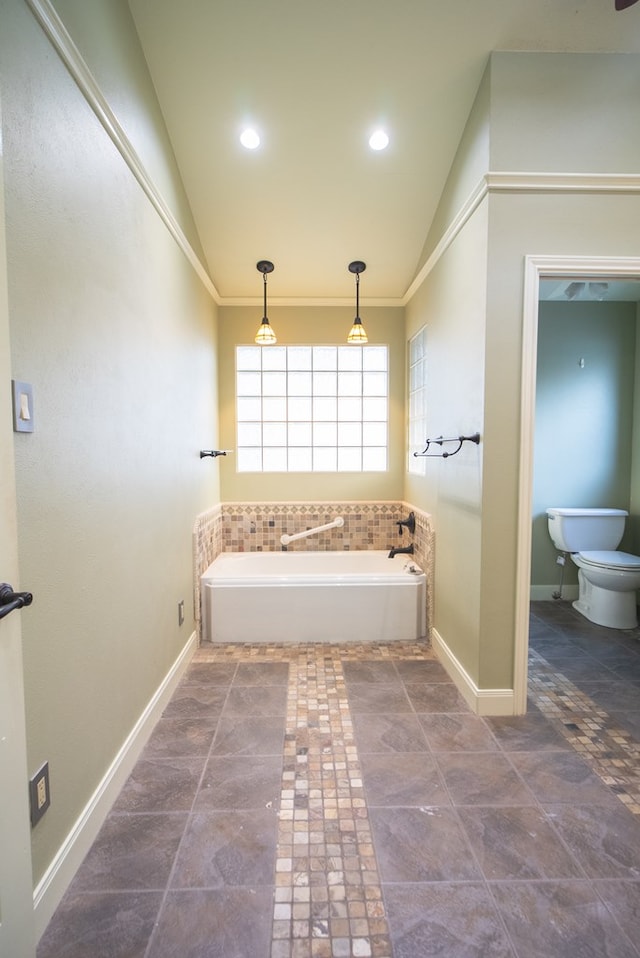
(315,79)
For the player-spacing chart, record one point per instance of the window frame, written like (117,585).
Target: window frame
(337,385)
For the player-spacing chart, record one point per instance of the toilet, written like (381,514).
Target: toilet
(607,580)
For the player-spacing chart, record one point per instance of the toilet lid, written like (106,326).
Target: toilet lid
(612,560)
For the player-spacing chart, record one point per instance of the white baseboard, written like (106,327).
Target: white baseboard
(482,701)
(57,878)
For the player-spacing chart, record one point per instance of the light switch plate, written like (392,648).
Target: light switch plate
(22,401)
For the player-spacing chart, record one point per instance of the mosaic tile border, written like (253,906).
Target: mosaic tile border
(281,652)
(610,751)
(328,895)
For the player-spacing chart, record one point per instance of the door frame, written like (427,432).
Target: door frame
(17,926)
(535,269)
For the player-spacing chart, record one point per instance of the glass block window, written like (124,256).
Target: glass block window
(312,408)
(417,379)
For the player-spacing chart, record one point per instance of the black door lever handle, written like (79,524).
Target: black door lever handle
(10,600)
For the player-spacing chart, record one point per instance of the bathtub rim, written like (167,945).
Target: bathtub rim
(395,574)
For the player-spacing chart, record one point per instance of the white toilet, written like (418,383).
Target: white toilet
(607,580)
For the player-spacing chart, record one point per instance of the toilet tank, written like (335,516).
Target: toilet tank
(582,530)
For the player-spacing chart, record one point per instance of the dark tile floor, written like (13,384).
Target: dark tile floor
(586,681)
(603,663)
(330,801)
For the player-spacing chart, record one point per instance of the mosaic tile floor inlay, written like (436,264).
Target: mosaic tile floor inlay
(328,899)
(328,895)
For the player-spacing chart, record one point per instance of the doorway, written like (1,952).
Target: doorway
(538,269)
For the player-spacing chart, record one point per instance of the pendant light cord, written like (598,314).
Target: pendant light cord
(264,277)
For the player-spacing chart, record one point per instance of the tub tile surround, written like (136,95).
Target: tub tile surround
(206,544)
(281,810)
(258,526)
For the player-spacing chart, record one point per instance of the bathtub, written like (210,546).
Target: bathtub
(313,597)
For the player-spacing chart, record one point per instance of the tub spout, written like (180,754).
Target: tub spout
(408,550)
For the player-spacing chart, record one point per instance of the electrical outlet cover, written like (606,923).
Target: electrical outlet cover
(39,794)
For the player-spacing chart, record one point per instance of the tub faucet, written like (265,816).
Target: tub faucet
(408,550)
(409,522)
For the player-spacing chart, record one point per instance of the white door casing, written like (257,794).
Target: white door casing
(17,937)
(537,268)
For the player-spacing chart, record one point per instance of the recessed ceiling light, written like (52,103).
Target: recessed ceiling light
(378,140)
(249,139)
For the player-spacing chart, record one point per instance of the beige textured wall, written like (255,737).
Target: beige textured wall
(451,303)
(316,325)
(571,112)
(575,224)
(105,35)
(115,332)
(469,166)
(472,302)
(585,107)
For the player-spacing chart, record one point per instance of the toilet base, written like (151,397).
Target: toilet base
(614,610)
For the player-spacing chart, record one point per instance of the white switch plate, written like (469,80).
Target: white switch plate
(22,401)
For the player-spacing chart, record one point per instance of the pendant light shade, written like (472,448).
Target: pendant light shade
(358,334)
(265,335)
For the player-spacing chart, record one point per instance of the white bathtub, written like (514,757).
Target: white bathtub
(313,597)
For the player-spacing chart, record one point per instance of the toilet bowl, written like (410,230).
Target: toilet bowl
(607,584)
(607,579)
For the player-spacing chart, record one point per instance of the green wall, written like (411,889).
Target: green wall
(584,416)
(633,522)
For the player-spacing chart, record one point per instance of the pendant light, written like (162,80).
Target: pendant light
(265,335)
(358,333)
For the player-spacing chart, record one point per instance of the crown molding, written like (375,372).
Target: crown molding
(505,182)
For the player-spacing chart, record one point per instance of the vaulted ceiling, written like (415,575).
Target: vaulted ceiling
(315,79)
